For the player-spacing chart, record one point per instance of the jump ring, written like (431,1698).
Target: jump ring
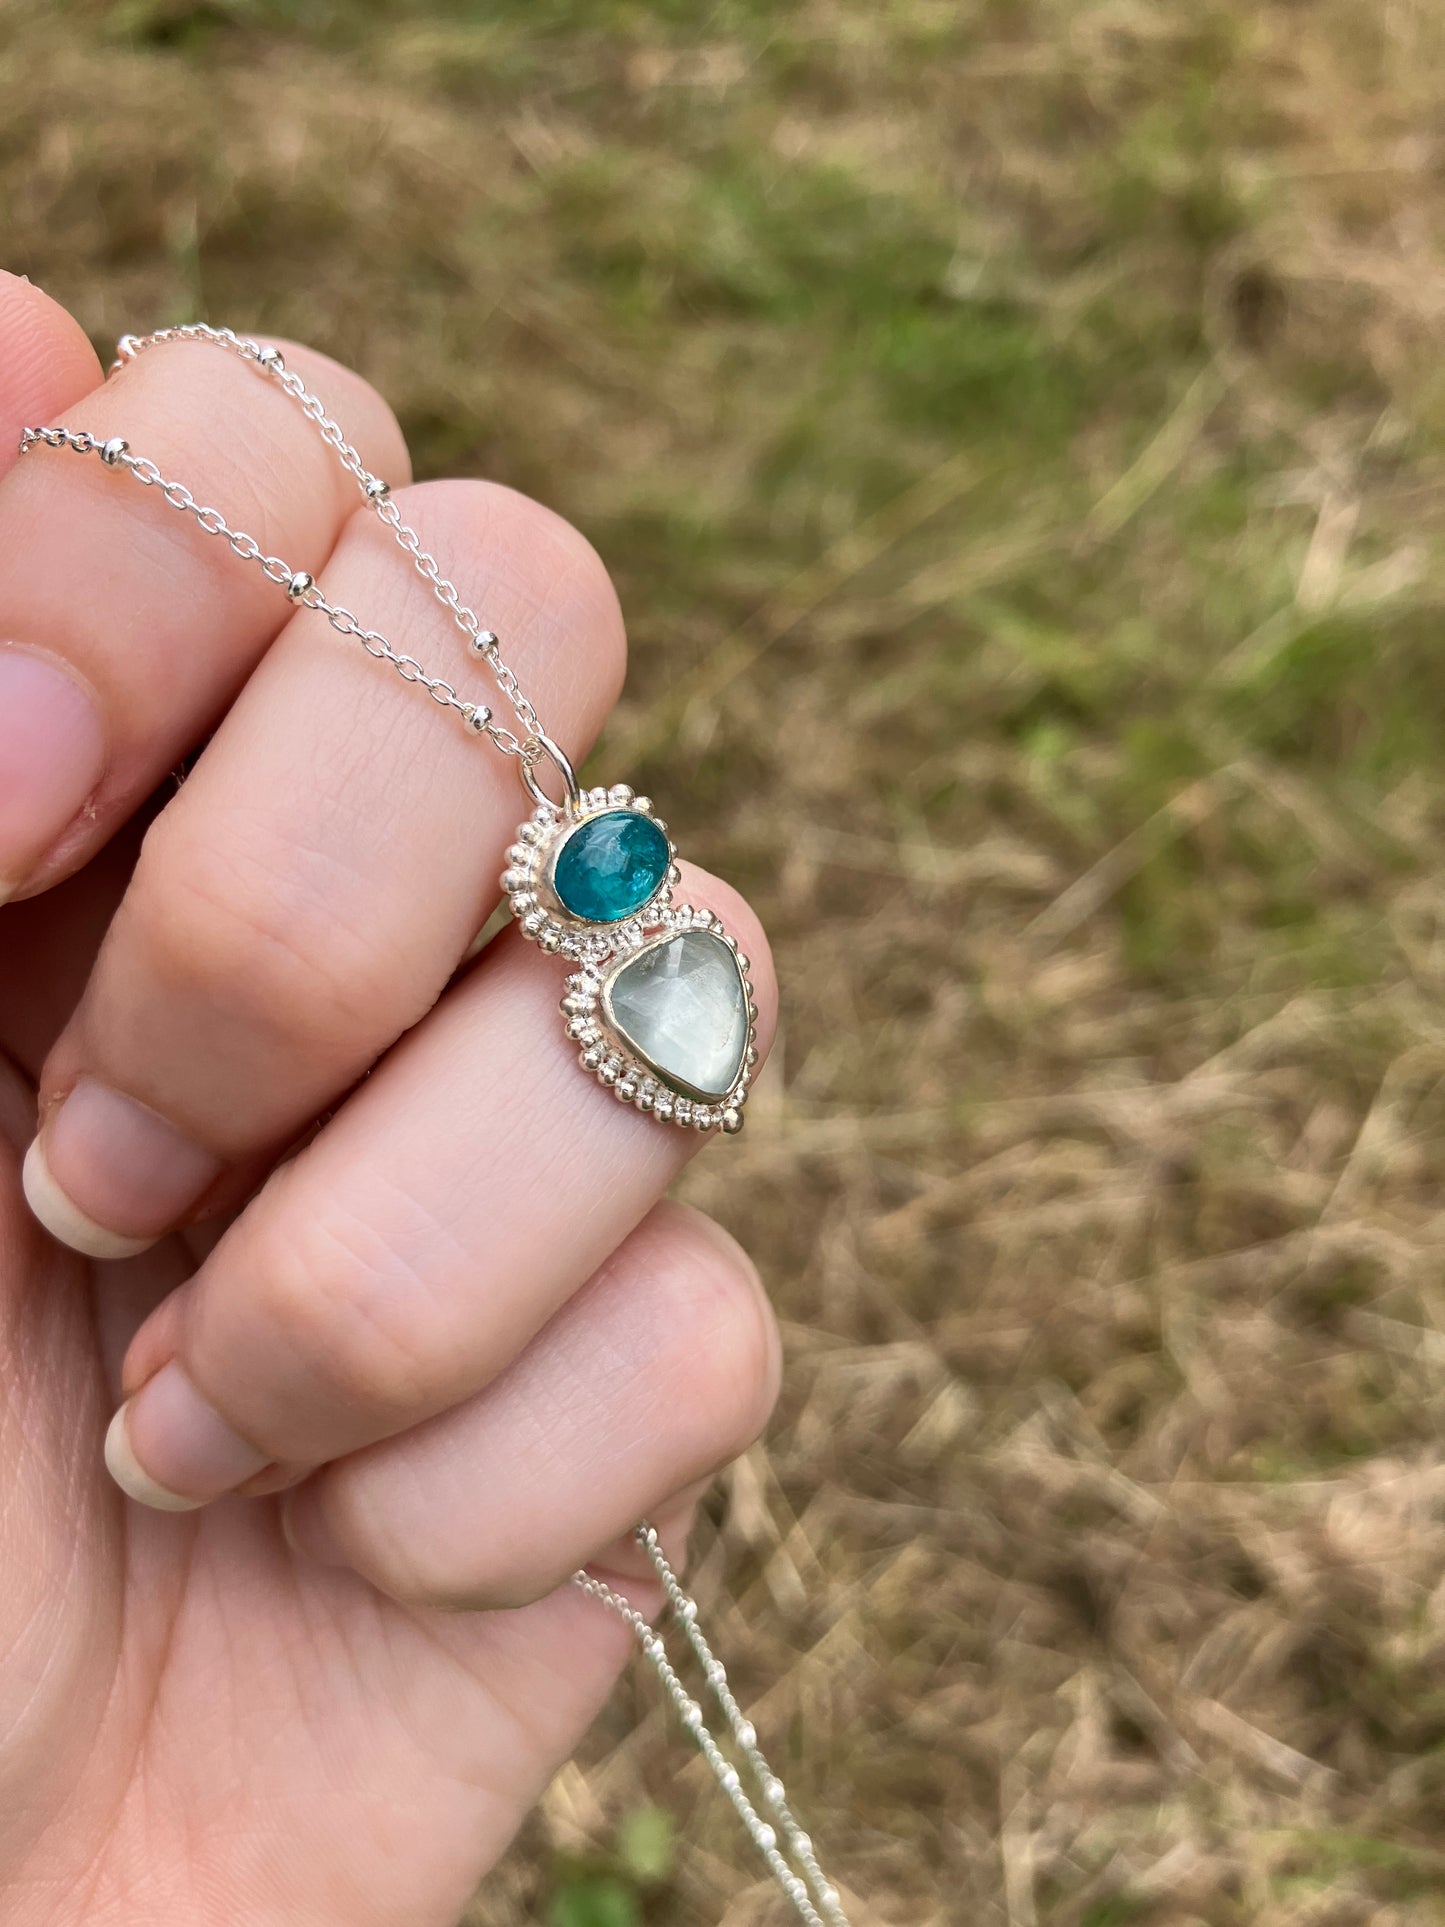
(542,744)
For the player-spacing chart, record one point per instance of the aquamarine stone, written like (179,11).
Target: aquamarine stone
(610,866)
(682,1008)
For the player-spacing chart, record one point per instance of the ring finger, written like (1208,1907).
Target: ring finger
(408,1255)
(660,1370)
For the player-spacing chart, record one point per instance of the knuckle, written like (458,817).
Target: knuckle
(386,1523)
(354,1321)
(255,932)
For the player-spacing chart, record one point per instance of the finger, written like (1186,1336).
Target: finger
(662,1369)
(151,624)
(46,365)
(408,1255)
(308,894)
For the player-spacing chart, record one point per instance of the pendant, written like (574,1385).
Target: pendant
(661,1006)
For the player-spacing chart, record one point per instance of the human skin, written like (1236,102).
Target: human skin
(379,1396)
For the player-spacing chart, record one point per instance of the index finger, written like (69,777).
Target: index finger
(46,365)
(129,637)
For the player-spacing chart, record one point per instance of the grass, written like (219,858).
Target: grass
(1016,432)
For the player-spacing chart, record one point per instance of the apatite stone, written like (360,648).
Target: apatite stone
(610,866)
(682,1006)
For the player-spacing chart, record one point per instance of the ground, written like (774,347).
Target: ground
(1016,433)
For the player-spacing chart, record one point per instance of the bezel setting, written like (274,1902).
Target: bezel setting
(619,1066)
(529,878)
(602,950)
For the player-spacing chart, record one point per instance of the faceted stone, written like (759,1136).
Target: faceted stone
(610,866)
(682,1007)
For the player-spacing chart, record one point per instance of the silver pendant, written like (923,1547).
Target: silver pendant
(662,1007)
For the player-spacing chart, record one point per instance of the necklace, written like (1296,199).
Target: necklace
(660,1004)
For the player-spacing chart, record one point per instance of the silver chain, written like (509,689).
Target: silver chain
(786,1849)
(299,586)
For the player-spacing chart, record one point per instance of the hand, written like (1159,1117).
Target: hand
(447,1353)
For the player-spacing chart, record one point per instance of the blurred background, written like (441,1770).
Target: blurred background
(1015,429)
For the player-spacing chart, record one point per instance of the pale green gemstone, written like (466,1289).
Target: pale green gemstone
(682,1008)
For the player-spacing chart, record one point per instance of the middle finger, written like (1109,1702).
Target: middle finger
(307,895)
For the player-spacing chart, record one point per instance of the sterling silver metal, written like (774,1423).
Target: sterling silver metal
(530,747)
(786,1850)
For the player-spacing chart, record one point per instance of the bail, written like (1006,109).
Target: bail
(542,745)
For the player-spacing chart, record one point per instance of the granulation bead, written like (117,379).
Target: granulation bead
(112,450)
(477,717)
(272,360)
(298,585)
(376,489)
(484,642)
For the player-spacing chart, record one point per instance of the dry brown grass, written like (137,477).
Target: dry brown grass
(1016,432)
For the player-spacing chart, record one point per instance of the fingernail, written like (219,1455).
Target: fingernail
(170,1448)
(108,1175)
(52,751)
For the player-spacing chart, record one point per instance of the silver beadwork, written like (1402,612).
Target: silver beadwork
(112,451)
(787,1850)
(300,582)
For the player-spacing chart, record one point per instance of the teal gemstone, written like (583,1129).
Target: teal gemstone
(610,866)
